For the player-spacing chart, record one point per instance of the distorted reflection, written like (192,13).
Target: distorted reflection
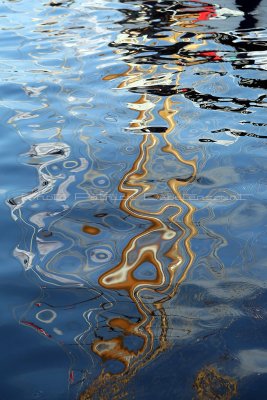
(127,228)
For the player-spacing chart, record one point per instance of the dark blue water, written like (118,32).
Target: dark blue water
(133,200)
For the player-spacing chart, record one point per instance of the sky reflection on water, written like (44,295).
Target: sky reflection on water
(136,196)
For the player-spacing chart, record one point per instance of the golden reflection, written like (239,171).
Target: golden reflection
(91,230)
(211,385)
(170,266)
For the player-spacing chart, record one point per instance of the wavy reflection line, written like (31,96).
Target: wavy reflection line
(136,253)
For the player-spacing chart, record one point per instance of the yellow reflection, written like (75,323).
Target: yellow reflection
(211,385)
(145,248)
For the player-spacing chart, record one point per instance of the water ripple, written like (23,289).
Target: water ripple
(142,219)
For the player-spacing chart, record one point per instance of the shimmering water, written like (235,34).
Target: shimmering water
(133,200)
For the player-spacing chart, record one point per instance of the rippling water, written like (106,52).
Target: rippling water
(134,191)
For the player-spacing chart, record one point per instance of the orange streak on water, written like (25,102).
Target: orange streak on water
(144,248)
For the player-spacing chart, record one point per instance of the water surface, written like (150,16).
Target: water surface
(133,196)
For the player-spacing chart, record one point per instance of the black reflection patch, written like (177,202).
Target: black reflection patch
(154,129)
(253,83)
(12,201)
(163,90)
(235,132)
(253,123)
(239,42)
(209,101)
(54,4)
(207,140)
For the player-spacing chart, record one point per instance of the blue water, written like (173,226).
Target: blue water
(133,200)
